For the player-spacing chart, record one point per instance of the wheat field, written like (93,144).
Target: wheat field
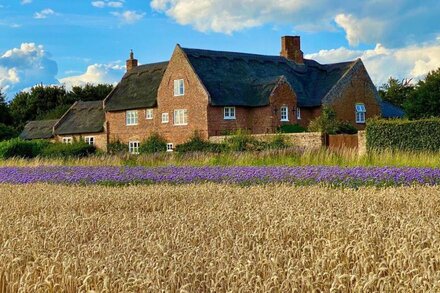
(218,238)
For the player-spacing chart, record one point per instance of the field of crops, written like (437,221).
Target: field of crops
(218,237)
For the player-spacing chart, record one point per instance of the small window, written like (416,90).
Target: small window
(181,117)
(131,117)
(360,113)
(149,114)
(165,118)
(179,87)
(67,140)
(90,140)
(298,113)
(133,147)
(284,113)
(229,113)
(170,147)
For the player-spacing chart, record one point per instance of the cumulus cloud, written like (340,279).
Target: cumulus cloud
(96,74)
(26,66)
(129,16)
(390,22)
(44,13)
(381,62)
(107,3)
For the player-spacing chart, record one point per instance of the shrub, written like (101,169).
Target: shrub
(346,127)
(76,149)
(198,144)
(7,132)
(22,148)
(404,135)
(116,147)
(242,141)
(278,142)
(327,123)
(291,128)
(154,144)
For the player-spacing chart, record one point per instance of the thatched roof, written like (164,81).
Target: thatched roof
(42,129)
(82,117)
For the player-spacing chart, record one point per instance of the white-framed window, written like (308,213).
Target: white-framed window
(229,113)
(149,114)
(284,110)
(89,140)
(181,117)
(165,117)
(133,147)
(298,113)
(179,87)
(68,140)
(360,113)
(131,118)
(170,147)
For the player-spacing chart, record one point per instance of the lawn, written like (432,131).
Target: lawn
(218,237)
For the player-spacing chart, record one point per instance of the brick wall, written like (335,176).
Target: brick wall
(356,87)
(257,120)
(307,140)
(195,101)
(100,139)
(308,114)
(119,131)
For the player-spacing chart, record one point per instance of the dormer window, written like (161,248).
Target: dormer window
(179,87)
(360,113)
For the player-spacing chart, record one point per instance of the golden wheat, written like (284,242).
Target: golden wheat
(218,238)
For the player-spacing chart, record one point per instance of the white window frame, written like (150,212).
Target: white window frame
(179,87)
(360,113)
(229,113)
(180,117)
(149,114)
(284,112)
(170,147)
(133,147)
(131,118)
(298,113)
(68,140)
(89,140)
(165,118)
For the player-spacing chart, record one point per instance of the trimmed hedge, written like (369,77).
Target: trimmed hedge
(34,148)
(405,135)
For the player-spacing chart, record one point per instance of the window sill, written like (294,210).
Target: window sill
(284,120)
(131,124)
(180,124)
(179,95)
(229,118)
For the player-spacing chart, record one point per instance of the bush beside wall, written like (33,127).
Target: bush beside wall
(404,135)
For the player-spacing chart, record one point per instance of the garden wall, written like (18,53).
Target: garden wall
(307,140)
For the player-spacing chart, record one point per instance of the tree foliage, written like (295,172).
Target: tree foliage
(424,101)
(395,91)
(328,123)
(5,115)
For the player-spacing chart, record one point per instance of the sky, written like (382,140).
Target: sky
(74,42)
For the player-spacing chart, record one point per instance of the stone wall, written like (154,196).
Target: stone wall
(307,140)
(362,142)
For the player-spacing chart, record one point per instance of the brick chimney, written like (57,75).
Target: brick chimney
(131,63)
(291,49)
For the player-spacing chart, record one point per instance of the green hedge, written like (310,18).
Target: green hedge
(154,144)
(405,135)
(31,149)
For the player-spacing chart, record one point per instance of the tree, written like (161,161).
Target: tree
(424,102)
(396,91)
(328,123)
(5,115)
(7,132)
(90,92)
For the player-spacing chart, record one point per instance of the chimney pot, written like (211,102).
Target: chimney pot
(131,63)
(291,49)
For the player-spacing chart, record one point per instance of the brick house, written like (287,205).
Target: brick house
(214,92)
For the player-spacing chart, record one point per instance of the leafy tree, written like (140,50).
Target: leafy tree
(424,102)
(90,92)
(328,123)
(5,115)
(7,132)
(396,91)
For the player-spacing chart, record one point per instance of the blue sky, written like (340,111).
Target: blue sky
(79,41)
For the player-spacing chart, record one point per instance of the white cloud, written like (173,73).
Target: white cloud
(129,16)
(44,13)
(381,62)
(26,66)
(24,2)
(107,3)
(390,22)
(95,74)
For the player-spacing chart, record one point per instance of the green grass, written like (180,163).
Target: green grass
(287,157)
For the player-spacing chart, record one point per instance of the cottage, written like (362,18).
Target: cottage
(83,121)
(42,129)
